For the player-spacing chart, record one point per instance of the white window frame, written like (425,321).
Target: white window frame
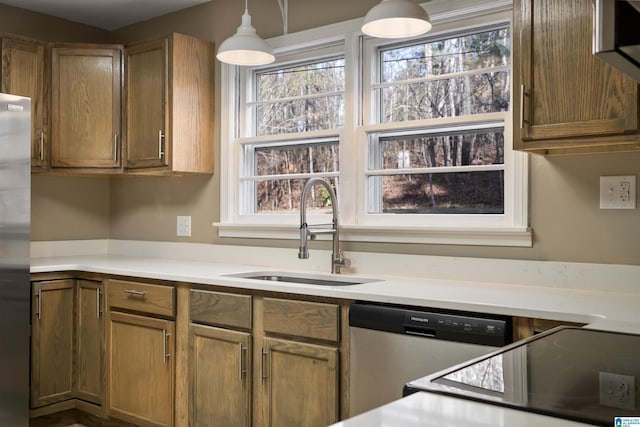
(508,229)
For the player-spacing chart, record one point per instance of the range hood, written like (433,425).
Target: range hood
(616,36)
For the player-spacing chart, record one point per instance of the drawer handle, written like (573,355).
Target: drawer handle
(263,368)
(165,338)
(243,361)
(98,303)
(135,293)
(115,147)
(39,305)
(41,145)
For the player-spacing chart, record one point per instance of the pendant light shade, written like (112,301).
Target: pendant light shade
(396,19)
(245,47)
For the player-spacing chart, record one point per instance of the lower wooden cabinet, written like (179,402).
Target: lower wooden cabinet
(299,384)
(291,377)
(67,342)
(141,369)
(52,342)
(90,343)
(109,349)
(220,377)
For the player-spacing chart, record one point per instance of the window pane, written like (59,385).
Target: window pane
(300,80)
(470,94)
(470,84)
(301,98)
(471,52)
(441,193)
(482,147)
(284,160)
(282,196)
(301,115)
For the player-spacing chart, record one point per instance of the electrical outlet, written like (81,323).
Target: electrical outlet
(618,391)
(618,192)
(183,226)
(625,191)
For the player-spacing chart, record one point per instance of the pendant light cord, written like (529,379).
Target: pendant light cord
(284,11)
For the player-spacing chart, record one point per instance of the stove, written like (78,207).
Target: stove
(575,373)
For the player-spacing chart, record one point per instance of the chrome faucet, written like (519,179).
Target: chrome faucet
(307,232)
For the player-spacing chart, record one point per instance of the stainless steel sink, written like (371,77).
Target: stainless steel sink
(302,278)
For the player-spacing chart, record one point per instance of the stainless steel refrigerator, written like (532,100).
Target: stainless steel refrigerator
(15,217)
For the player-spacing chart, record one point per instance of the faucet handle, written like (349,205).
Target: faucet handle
(342,260)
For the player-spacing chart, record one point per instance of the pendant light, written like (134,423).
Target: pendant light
(396,19)
(245,47)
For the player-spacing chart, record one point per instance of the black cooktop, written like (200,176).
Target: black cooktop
(580,374)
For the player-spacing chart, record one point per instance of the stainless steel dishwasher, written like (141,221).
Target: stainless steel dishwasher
(392,345)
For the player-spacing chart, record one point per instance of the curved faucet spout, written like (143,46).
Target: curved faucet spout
(308,231)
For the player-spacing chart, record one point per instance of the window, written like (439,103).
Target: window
(415,136)
(295,101)
(444,172)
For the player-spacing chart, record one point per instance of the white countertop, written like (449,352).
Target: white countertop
(606,310)
(433,410)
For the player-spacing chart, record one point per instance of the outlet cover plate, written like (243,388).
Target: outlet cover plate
(617,391)
(183,226)
(618,192)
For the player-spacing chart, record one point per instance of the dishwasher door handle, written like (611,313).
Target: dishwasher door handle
(426,334)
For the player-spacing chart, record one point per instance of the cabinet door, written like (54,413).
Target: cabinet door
(561,89)
(89,341)
(52,342)
(299,384)
(23,74)
(146,84)
(85,107)
(220,390)
(141,369)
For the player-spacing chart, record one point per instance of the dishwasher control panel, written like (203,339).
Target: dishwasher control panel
(450,325)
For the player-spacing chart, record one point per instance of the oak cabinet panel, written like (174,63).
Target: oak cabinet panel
(169,98)
(86,85)
(142,297)
(67,350)
(90,345)
(24,74)
(141,369)
(220,377)
(220,308)
(301,318)
(565,98)
(300,384)
(52,342)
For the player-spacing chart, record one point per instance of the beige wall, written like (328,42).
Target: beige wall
(48,28)
(564,214)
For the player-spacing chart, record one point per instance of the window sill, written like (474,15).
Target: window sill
(516,237)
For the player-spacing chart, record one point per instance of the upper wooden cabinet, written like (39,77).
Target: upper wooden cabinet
(86,85)
(168,108)
(24,74)
(566,100)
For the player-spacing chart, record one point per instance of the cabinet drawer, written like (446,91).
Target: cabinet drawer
(219,308)
(144,297)
(302,318)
